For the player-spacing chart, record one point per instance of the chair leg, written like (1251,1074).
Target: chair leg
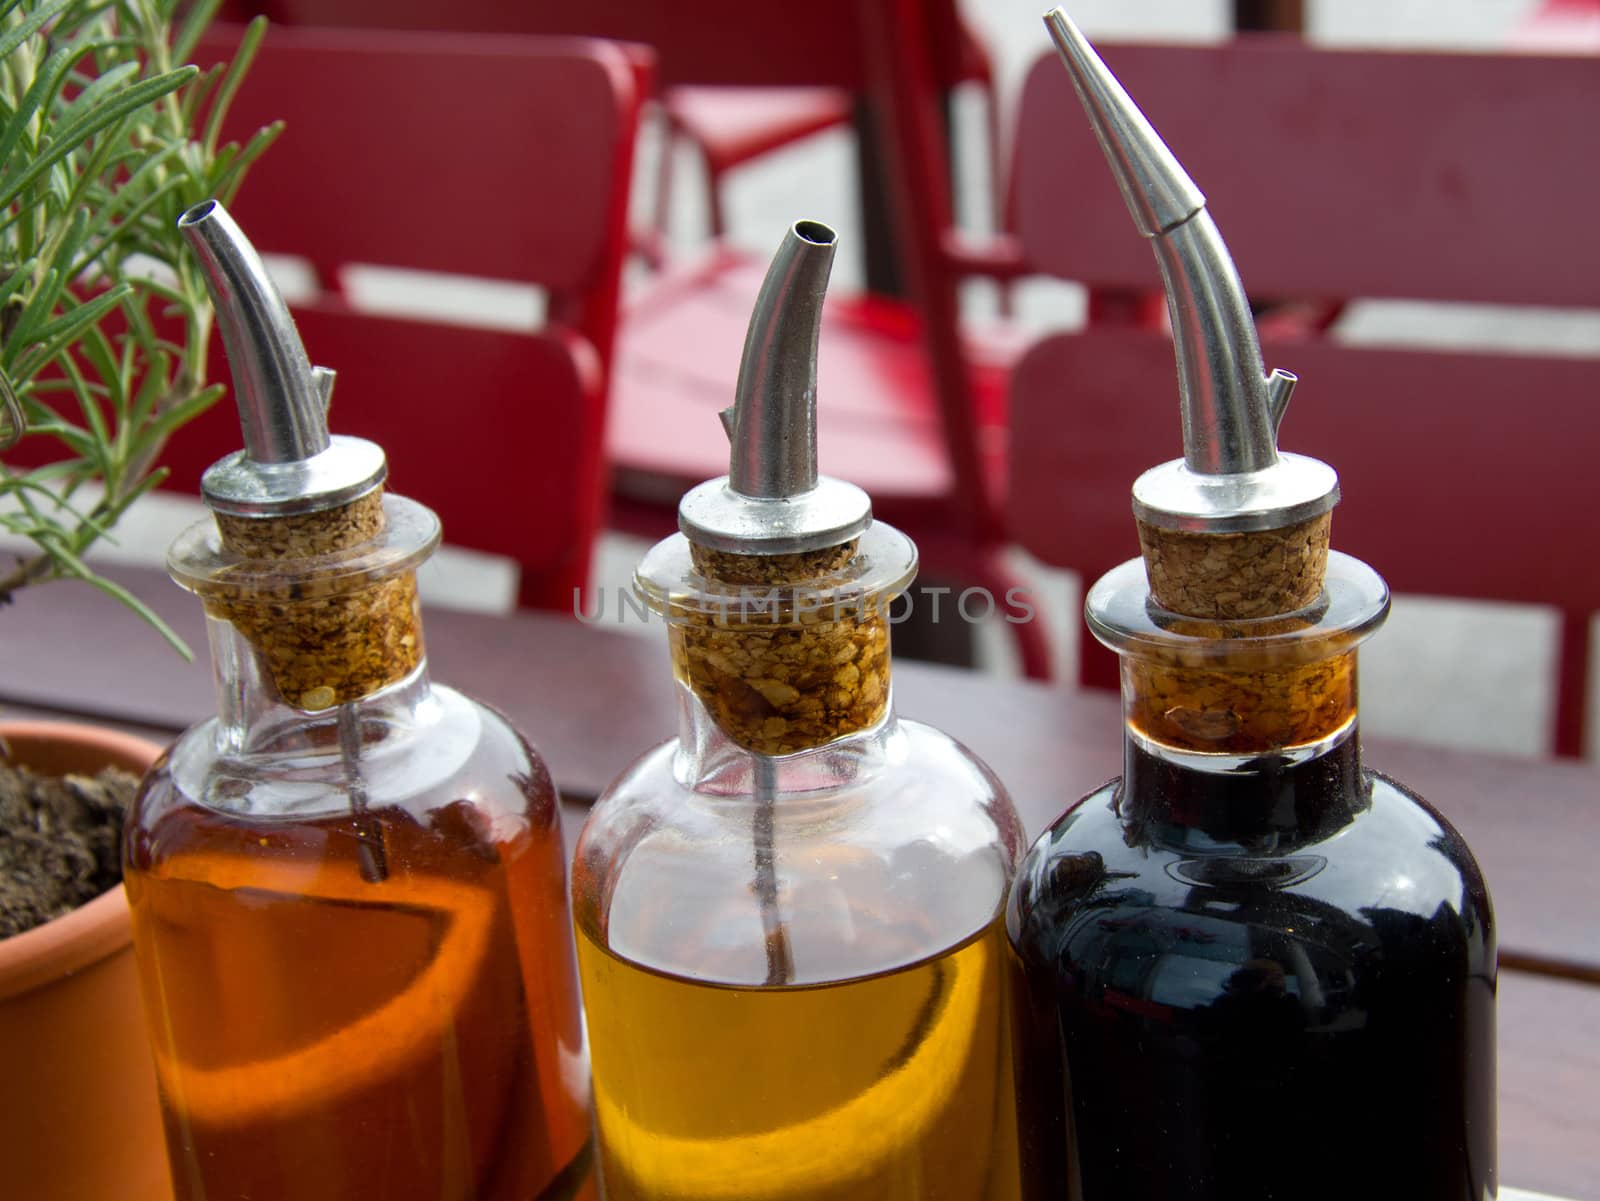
(1033,645)
(669,145)
(1000,194)
(714,201)
(1032,640)
(1572,671)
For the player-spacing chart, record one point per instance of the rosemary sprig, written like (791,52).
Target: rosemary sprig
(104,317)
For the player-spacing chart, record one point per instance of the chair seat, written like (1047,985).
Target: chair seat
(677,367)
(1560,27)
(734,125)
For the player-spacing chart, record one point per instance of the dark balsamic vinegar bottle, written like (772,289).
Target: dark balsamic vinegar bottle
(1250,967)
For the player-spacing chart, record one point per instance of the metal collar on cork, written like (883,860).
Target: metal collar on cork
(1232,477)
(289,464)
(772,501)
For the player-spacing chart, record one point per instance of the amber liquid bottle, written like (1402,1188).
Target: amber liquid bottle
(789,917)
(351,932)
(794,965)
(1251,967)
(348,889)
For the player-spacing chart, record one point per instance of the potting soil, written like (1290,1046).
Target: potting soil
(60,841)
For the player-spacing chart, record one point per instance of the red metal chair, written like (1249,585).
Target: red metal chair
(1339,174)
(909,406)
(505,158)
(910,409)
(732,126)
(1561,27)
(733,98)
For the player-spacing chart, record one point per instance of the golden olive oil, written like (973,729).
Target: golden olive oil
(890,1087)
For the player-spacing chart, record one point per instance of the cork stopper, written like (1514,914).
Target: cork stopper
(725,568)
(303,535)
(1216,711)
(322,638)
(1236,576)
(799,661)
(1244,683)
(1237,587)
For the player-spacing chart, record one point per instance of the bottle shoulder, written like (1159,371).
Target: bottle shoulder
(879,866)
(448,747)
(1396,873)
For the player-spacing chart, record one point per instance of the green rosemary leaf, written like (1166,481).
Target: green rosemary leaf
(242,58)
(30,25)
(105,460)
(194,25)
(86,125)
(60,333)
(101,146)
(184,410)
(41,95)
(69,564)
(226,183)
(35,312)
(75,439)
(142,610)
(157,380)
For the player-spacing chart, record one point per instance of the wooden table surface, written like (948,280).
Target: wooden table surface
(593,699)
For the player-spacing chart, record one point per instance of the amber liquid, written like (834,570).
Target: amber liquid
(322,1034)
(892,1087)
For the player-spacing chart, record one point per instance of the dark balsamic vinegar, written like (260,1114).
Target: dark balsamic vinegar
(1277,983)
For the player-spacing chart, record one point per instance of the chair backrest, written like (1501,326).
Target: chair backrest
(498,431)
(501,157)
(733,42)
(900,53)
(1337,174)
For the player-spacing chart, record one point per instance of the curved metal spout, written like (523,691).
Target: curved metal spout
(773,422)
(772,501)
(289,463)
(1231,407)
(282,399)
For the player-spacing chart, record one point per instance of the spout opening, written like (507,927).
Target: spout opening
(815,233)
(198,213)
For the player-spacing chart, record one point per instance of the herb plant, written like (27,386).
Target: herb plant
(104,316)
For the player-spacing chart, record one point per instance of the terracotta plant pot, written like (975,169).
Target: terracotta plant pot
(78,1112)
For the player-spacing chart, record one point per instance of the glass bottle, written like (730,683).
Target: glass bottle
(1250,967)
(788,917)
(348,888)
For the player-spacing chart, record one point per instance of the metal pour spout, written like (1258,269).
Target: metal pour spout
(773,422)
(281,397)
(289,464)
(1231,405)
(772,501)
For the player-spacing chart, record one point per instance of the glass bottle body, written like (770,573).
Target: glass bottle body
(351,930)
(1255,973)
(800,996)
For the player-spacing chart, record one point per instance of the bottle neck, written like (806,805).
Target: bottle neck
(1251,759)
(264,702)
(1275,805)
(710,761)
